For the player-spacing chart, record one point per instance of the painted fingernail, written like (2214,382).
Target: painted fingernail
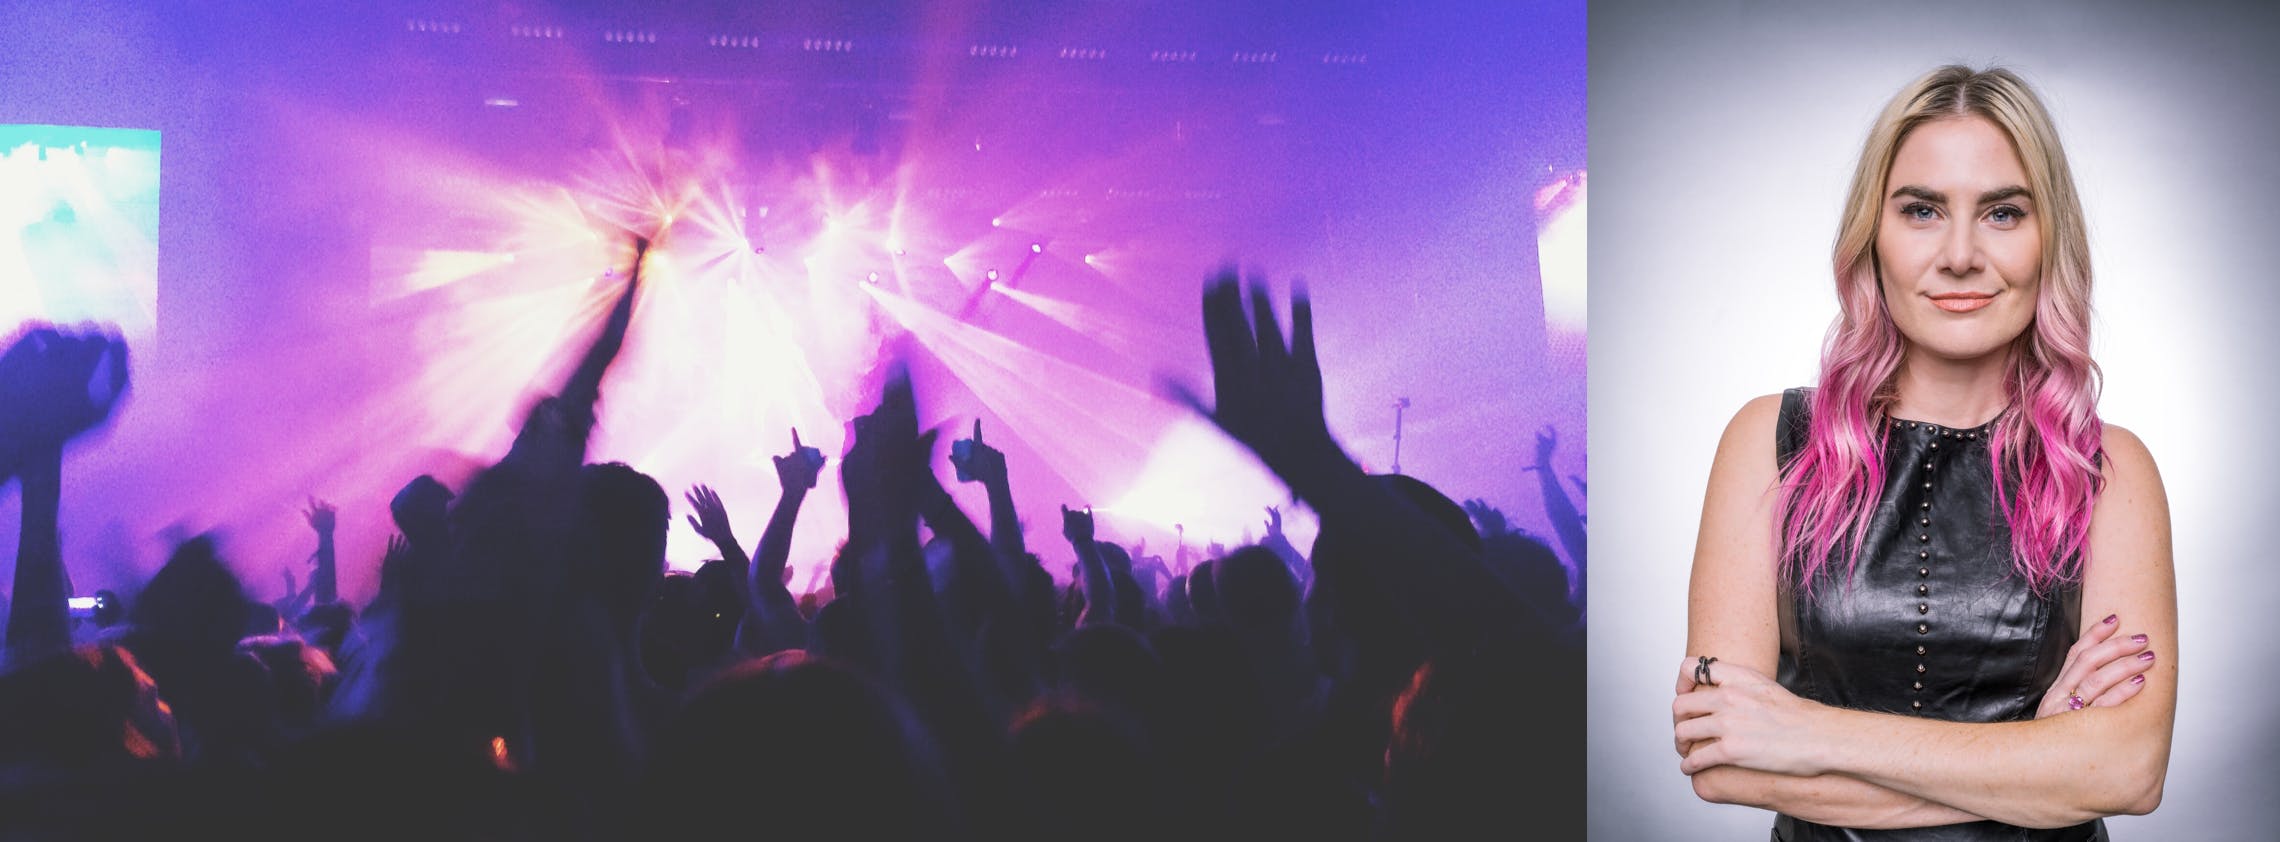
(2137,679)
(2137,638)
(2110,618)
(2145,656)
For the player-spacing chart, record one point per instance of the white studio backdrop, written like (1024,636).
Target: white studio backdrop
(1722,138)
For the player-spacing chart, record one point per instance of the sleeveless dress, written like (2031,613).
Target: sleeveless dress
(1933,623)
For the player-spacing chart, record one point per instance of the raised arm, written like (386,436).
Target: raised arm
(39,620)
(585,384)
(772,603)
(979,462)
(2054,771)
(1269,398)
(796,474)
(324,583)
(1092,569)
(1567,522)
(53,387)
(1278,543)
(553,436)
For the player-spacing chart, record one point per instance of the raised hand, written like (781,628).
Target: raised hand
(884,454)
(978,462)
(321,516)
(2101,670)
(1274,523)
(54,386)
(1547,441)
(1491,520)
(399,548)
(797,470)
(1267,395)
(708,517)
(1077,526)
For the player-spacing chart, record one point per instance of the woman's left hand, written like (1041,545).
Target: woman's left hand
(1744,719)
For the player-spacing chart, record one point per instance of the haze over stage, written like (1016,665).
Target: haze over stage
(379,220)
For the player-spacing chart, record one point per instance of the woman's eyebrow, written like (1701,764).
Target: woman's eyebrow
(1990,197)
(2000,193)
(1924,193)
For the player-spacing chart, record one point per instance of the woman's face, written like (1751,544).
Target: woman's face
(1959,240)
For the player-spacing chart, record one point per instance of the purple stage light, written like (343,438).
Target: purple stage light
(477,239)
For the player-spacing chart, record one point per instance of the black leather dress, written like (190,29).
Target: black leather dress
(1934,622)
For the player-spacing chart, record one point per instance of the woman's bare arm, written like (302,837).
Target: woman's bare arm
(2049,772)
(1731,614)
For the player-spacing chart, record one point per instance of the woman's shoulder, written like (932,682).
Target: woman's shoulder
(1752,430)
(2118,440)
(2125,455)
(1764,410)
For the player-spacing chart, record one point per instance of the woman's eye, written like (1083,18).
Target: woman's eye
(2006,216)
(1919,212)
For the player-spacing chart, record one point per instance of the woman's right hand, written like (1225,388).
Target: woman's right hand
(2102,669)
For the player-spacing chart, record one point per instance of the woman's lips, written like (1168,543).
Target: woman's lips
(1962,302)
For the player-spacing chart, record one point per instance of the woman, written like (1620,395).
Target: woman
(1932,598)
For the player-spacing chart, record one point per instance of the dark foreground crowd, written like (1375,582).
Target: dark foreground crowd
(529,671)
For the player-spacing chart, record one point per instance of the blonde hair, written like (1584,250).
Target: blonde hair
(2046,442)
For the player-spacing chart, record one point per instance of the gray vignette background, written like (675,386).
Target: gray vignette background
(1722,135)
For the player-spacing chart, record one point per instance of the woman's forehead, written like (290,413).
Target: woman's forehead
(1951,154)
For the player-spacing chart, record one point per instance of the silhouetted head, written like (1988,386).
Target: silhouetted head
(1109,664)
(1256,591)
(623,515)
(1345,608)
(668,632)
(1433,503)
(1203,593)
(194,604)
(1131,601)
(1176,602)
(840,632)
(419,511)
(716,595)
(302,676)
